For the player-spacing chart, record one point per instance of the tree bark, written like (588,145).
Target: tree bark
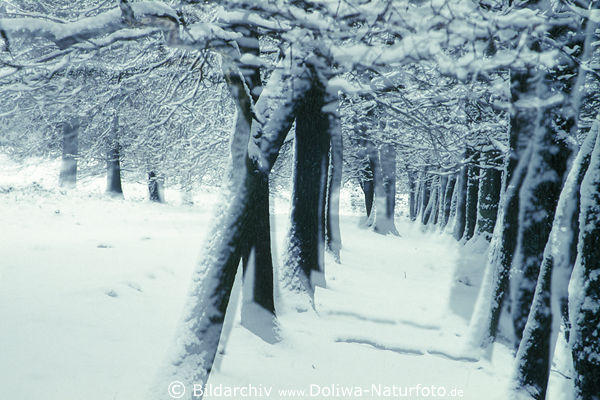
(495,286)
(472,196)
(154,187)
(537,200)
(447,206)
(258,305)
(113,163)
(385,189)
(70,141)
(584,288)
(461,203)
(424,196)
(550,299)
(334,239)
(489,193)
(306,236)
(412,195)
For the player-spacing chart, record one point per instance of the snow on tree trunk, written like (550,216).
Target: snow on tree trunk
(304,255)
(199,330)
(543,324)
(537,200)
(452,215)
(559,119)
(429,213)
(439,213)
(258,305)
(564,237)
(461,203)
(448,199)
(385,189)
(584,287)
(486,315)
(334,239)
(70,147)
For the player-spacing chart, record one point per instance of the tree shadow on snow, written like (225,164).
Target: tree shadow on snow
(468,275)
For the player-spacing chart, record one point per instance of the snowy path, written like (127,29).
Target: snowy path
(384,320)
(91,289)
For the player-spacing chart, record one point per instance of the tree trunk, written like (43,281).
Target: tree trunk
(541,331)
(113,163)
(305,249)
(385,189)
(429,213)
(489,193)
(213,279)
(538,198)
(334,240)
(472,197)
(155,187)
(584,288)
(555,122)
(258,305)
(70,140)
(448,196)
(367,180)
(461,203)
(424,196)
(492,294)
(439,212)
(486,316)
(412,195)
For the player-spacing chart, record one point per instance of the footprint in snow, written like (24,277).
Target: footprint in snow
(111,293)
(134,286)
(104,246)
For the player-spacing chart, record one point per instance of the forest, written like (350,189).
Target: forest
(329,198)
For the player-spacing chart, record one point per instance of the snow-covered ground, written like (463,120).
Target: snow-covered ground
(91,289)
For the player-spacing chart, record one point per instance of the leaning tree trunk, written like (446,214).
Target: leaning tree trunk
(70,139)
(538,198)
(200,329)
(486,315)
(584,288)
(495,287)
(541,331)
(258,305)
(113,162)
(558,120)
